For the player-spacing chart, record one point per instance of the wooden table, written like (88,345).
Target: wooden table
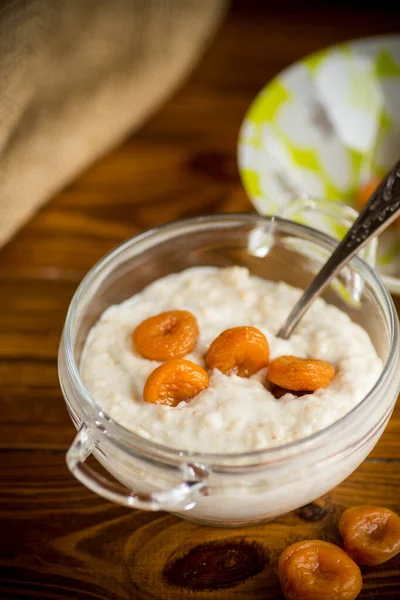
(58,539)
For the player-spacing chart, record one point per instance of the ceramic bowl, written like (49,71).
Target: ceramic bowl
(323,128)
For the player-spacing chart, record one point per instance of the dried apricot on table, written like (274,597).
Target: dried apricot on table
(240,350)
(168,335)
(300,374)
(371,534)
(175,381)
(318,570)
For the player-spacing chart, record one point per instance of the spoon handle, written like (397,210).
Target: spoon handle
(382,208)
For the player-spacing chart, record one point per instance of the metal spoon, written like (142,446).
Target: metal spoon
(381,209)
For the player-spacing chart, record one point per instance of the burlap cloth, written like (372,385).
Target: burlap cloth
(77,76)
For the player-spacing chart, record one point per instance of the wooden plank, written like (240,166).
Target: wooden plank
(65,542)
(59,539)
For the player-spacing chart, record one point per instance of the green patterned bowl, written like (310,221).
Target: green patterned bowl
(323,128)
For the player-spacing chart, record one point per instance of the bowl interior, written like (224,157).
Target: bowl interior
(285,251)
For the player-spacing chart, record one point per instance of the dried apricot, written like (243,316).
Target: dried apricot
(371,534)
(175,381)
(366,191)
(278,392)
(168,335)
(300,374)
(240,350)
(317,570)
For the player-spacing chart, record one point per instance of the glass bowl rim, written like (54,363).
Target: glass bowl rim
(133,443)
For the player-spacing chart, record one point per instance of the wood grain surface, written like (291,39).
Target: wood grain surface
(58,540)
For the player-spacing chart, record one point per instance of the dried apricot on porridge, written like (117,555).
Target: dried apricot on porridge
(279,392)
(371,534)
(240,350)
(175,381)
(318,570)
(168,335)
(300,374)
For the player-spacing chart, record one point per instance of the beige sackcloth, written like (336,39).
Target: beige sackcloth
(77,76)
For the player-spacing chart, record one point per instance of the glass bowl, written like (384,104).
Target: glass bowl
(224,489)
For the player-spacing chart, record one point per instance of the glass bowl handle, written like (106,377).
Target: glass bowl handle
(335,219)
(179,497)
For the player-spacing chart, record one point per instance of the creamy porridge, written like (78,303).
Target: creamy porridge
(234,414)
